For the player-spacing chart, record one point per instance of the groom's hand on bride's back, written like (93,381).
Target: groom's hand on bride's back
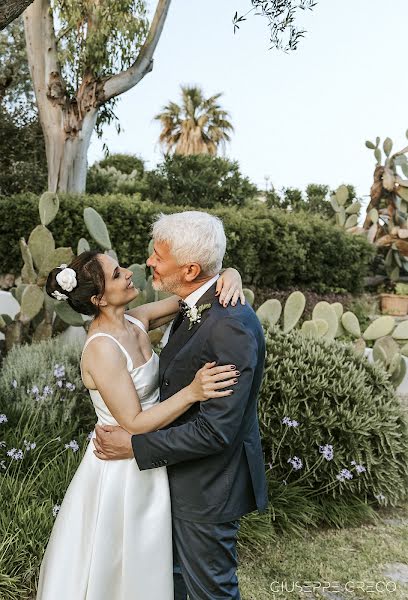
(112,443)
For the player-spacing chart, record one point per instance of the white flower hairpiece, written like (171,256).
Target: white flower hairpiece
(59,296)
(66,279)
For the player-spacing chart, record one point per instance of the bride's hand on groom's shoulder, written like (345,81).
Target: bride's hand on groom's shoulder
(229,287)
(112,443)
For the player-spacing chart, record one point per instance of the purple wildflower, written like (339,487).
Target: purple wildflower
(327,451)
(296,463)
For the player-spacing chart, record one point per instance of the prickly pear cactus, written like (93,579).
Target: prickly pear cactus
(48,207)
(346,215)
(325,311)
(293,310)
(269,312)
(249,296)
(97,228)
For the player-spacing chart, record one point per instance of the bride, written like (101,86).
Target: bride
(112,537)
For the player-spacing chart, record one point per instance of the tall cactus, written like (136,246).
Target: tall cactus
(389,199)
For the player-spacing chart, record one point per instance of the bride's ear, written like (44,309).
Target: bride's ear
(98,301)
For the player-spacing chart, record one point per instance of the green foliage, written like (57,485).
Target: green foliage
(125,163)
(100,38)
(29,488)
(15,80)
(281,18)
(293,249)
(315,200)
(117,174)
(111,181)
(23,164)
(357,412)
(199,180)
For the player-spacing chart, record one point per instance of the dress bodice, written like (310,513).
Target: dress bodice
(145,379)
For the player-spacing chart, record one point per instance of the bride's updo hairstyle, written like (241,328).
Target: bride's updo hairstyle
(90,281)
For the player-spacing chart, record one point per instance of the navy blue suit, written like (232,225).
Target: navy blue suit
(213,451)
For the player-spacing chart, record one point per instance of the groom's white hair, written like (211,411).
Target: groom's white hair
(193,236)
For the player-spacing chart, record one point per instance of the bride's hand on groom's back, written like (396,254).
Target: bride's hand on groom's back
(213,381)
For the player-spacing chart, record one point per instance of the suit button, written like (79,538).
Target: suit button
(166,382)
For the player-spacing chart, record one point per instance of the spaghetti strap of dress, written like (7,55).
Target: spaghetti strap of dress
(136,322)
(125,352)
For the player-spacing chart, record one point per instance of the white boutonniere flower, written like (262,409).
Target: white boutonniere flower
(194,314)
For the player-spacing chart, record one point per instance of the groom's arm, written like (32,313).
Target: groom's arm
(219,419)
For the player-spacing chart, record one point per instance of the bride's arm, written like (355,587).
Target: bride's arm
(155,314)
(107,366)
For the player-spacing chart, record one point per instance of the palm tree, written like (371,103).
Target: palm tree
(198,126)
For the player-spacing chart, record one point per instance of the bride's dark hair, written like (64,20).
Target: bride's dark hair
(90,282)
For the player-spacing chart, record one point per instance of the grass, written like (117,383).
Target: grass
(357,554)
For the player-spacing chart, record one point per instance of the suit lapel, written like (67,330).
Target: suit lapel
(182,334)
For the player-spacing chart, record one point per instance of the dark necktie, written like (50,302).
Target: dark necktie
(183,308)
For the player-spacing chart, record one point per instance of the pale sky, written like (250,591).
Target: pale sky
(299,118)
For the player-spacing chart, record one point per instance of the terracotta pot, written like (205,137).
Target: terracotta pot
(393,304)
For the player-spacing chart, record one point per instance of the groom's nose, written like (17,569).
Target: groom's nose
(150,261)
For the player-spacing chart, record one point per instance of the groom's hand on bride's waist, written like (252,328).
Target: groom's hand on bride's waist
(112,443)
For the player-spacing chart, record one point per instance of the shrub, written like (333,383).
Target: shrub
(30,487)
(269,247)
(116,174)
(314,200)
(125,163)
(200,180)
(340,400)
(23,164)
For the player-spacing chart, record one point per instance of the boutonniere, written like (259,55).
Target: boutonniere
(194,314)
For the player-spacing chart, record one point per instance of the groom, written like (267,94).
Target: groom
(213,451)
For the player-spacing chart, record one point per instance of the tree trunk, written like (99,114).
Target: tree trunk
(10,10)
(67,155)
(68,122)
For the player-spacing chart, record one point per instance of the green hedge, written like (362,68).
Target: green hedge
(269,247)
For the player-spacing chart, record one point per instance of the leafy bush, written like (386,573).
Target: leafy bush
(337,399)
(199,180)
(38,412)
(315,200)
(125,163)
(117,174)
(269,247)
(23,164)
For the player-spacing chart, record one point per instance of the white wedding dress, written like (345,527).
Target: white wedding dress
(112,537)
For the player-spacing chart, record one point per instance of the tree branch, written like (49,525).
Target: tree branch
(124,81)
(10,10)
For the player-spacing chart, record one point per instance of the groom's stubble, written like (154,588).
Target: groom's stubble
(171,284)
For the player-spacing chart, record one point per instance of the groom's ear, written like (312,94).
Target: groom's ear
(192,271)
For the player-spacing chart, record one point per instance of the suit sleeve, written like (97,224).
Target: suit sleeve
(219,419)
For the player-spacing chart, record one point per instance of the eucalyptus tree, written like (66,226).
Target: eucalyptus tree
(281,16)
(82,55)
